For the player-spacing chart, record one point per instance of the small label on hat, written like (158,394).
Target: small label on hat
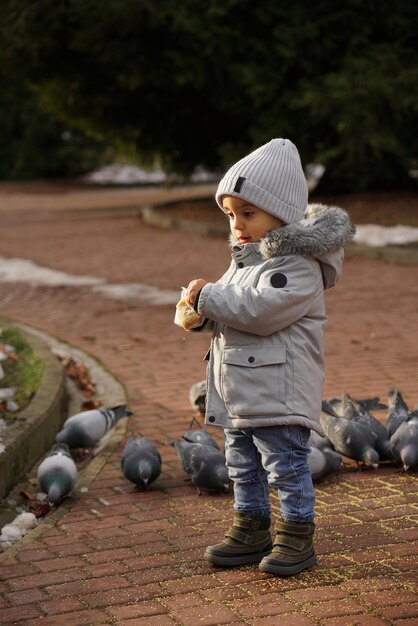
(238,184)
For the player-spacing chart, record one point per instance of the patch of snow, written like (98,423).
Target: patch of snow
(375,235)
(7,392)
(202,175)
(118,174)
(314,171)
(17,529)
(2,427)
(23,270)
(140,292)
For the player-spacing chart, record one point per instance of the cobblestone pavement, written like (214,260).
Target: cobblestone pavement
(119,556)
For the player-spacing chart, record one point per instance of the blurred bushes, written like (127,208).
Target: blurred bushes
(189,83)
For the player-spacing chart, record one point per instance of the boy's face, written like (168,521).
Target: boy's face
(248,223)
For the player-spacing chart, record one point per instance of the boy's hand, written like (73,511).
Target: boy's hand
(193,289)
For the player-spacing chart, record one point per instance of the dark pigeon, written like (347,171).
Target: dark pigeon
(323,462)
(351,409)
(351,438)
(140,461)
(362,405)
(199,435)
(204,464)
(398,411)
(316,441)
(404,442)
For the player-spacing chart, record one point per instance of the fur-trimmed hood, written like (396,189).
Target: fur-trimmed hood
(322,234)
(322,231)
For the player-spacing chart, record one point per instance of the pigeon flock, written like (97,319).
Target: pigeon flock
(355,433)
(351,431)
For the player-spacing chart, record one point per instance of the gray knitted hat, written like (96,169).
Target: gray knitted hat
(271,178)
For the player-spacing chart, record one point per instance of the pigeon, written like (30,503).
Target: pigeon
(85,429)
(398,411)
(204,464)
(316,441)
(140,461)
(404,442)
(351,409)
(366,405)
(197,397)
(351,438)
(57,474)
(323,462)
(199,436)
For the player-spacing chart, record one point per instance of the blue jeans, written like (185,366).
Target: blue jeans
(274,456)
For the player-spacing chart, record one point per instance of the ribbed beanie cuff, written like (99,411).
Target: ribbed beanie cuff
(271,178)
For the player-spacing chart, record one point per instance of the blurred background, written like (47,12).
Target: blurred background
(177,86)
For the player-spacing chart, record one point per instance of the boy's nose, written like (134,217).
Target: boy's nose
(237,223)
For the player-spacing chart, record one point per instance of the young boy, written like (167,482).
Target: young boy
(265,371)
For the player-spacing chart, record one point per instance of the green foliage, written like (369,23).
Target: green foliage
(25,373)
(192,83)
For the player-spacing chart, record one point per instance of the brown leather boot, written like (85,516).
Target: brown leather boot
(293,549)
(247,541)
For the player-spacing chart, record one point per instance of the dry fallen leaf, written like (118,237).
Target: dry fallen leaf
(90,404)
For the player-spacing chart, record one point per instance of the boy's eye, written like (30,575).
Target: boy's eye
(248,214)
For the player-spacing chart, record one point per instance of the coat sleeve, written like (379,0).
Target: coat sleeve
(283,294)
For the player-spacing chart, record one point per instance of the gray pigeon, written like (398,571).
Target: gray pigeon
(351,409)
(197,397)
(316,441)
(85,429)
(204,464)
(404,443)
(323,462)
(362,405)
(351,438)
(57,474)
(398,411)
(199,435)
(140,461)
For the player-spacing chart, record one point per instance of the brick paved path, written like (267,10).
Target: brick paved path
(118,556)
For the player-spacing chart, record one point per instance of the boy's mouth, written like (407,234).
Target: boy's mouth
(244,239)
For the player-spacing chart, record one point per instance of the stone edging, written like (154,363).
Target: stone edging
(45,405)
(404,255)
(35,427)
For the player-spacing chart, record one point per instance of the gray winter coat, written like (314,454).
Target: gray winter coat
(267,314)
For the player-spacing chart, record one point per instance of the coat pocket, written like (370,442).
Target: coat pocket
(253,380)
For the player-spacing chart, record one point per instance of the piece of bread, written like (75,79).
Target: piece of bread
(186,317)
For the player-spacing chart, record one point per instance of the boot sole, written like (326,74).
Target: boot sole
(228,561)
(287,570)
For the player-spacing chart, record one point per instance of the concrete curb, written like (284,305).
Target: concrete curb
(110,392)
(153,216)
(35,427)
